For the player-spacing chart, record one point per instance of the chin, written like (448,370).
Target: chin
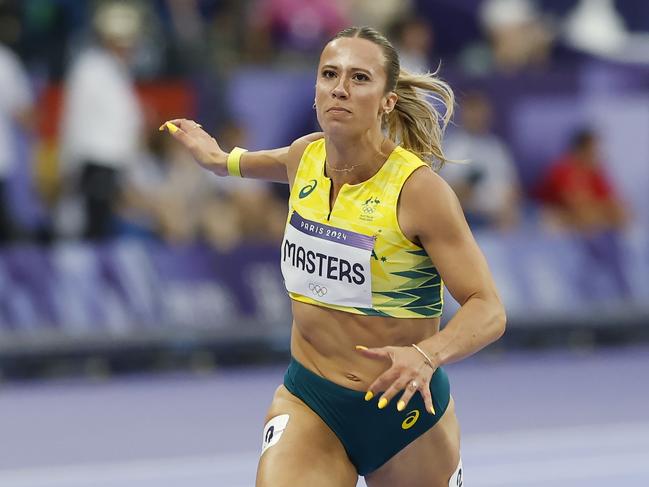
(339,127)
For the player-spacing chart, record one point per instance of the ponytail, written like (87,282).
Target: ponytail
(416,122)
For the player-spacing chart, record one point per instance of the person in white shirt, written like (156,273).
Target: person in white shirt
(485,177)
(102,119)
(16,108)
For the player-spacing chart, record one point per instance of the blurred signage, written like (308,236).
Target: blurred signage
(128,286)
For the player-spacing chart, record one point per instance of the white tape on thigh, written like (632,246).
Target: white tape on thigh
(273,431)
(456,479)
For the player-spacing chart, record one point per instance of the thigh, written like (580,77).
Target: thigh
(429,461)
(306,453)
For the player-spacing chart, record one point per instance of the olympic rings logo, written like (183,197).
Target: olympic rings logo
(317,289)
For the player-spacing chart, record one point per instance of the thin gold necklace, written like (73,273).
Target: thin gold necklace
(345,169)
(353,166)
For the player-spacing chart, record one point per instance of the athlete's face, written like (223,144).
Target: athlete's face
(350,90)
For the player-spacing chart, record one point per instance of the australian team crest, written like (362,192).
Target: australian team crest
(368,208)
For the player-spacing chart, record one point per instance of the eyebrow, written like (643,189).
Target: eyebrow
(351,69)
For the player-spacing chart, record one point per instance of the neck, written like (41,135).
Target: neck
(353,160)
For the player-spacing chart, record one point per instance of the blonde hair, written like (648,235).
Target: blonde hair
(415,123)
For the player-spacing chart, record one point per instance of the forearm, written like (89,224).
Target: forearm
(269,165)
(477,323)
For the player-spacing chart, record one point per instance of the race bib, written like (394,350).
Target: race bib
(326,263)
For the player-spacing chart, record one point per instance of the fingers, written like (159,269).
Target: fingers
(421,384)
(409,390)
(428,398)
(407,377)
(392,382)
(392,391)
(179,130)
(170,127)
(374,353)
(178,134)
(382,383)
(179,123)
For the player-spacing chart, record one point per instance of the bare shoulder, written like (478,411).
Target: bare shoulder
(429,205)
(295,152)
(299,145)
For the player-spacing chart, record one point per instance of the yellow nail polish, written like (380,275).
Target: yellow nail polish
(161,127)
(432,410)
(361,347)
(369,395)
(401,406)
(383,402)
(171,128)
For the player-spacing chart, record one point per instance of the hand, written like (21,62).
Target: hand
(409,372)
(202,145)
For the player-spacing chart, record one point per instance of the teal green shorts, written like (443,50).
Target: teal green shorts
(371,436)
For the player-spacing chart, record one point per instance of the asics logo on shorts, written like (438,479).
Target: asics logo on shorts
(410,420)
(317,289)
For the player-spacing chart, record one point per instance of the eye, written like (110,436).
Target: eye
(361,77)
(328,73)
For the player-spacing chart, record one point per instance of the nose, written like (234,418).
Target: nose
(340,90)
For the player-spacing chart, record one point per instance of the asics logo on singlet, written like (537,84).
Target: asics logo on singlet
(317,289)
(308,189)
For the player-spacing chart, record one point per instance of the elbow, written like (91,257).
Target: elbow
(499,322)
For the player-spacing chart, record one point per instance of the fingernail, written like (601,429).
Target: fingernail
(383,402)
(369,395)
(432,410)
(361,347)
(161,127)
(171,128)
(401,406)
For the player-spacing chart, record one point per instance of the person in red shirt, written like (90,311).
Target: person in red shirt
(576,192)
(577,196)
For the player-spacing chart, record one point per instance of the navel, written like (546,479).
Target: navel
(352,377)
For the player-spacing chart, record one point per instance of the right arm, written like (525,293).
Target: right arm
(279,165)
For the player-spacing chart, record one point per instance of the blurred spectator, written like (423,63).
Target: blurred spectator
(578,197)
(597,27)
(517,39)
(102,118)
(293,28)
(167,197)
(485,179)
(379,14)
(413,38)
(11,24)
(16,108)
(51,30)
(240,203)
(576,191)
(164,194)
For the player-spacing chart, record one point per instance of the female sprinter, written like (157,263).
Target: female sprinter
(371,233)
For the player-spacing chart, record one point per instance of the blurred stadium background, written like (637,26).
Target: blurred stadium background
(140,297)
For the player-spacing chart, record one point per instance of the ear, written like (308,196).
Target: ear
(389,101)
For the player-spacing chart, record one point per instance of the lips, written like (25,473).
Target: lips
(338,109)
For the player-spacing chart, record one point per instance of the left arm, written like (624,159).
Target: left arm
(430,213)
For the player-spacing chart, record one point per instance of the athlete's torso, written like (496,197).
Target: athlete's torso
(355,243)
(353,256)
